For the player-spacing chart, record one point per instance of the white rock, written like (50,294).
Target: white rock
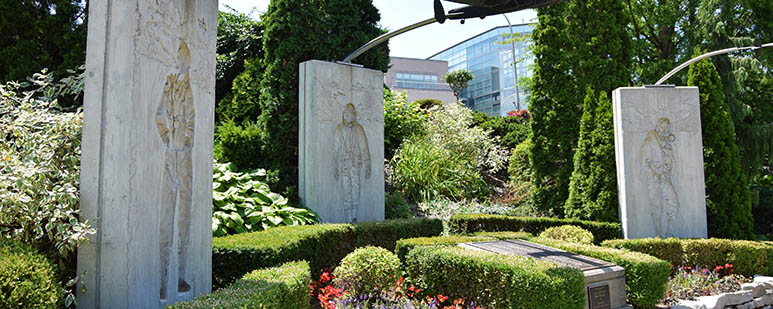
(749,305)
(737,298)
(759,302)
(703,302)
(767,281)
(757,289)
(690,304)
(657,137)
(146,177)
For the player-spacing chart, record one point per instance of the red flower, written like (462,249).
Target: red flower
(442,298)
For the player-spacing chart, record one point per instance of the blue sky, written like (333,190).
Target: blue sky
(419,43)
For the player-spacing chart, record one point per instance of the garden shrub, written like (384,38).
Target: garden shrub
(242,202)
(510,130)
(505,235)
(669,249)
(323,245)
(472,223)
(569,233)
(285,287)
(402,120)
(368,270)
(519,171)
(27,279)
(396,207)
(747,257)
(494,280)
(385,234)
(449,159)
(239,143)
(646,277)
(426,104)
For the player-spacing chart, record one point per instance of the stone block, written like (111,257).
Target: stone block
(341,141)
(146,178)
(737,298)
(659,157)
(757,289)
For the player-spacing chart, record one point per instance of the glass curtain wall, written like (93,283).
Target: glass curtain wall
(489,60)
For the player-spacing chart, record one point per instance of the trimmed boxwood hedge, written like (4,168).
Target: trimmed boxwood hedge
(646,277)
(323,245)
(472,223)
(27,278)
(495,281)
(283,287)
(747,257)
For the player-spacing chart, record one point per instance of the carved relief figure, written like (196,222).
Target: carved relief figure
(175,121)
(658,158)
(351,157)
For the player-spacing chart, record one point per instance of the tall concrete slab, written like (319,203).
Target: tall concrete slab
(659,152)
(146,178)
(341,141)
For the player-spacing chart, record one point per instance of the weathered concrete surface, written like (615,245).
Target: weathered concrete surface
(146,179)
(659,154)
(341,141)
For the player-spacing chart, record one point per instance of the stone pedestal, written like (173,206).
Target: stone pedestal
(341,141)
(146,179)
(659,154)
(604,282)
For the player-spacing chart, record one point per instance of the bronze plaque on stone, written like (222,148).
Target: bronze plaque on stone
(598,297)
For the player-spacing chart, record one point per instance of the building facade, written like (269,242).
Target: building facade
(419,78)
(489,59)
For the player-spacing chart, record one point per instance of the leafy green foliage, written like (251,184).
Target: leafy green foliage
(519,169)
(296,31)
(728,199)
(27,279)
(285,287)
(448,161)
(40,169)
(322,245)
(511,130)
(747,257)
(473,223)
(396,207)
(457,80)
(593,186)
(238,143)
(763,208)
(569,233)
(645,276)
(577,44)
(41,34)
(368,270)
(501,281)
(239,39)
(243,202)
(402,120)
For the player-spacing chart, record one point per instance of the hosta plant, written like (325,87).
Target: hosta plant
(242,202)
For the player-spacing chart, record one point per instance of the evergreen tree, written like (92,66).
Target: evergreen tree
(296,31)
(577,45)
(593,186)
(728,201)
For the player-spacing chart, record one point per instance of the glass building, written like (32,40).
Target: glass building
(489,59)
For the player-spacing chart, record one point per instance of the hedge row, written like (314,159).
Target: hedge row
(323,245)
(646,277)
(747,257)
(27,278)
(472,223)
(283,287)
(495,281)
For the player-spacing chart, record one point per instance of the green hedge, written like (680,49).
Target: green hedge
(323,245)
(495,281)
(284,287)
(27,278)
(747,257)
(472,223)
(646,277)
(405,245)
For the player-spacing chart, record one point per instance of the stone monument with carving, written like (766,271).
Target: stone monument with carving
(659,154)
(146,179)
(341,141)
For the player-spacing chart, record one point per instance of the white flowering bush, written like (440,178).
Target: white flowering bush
(40,153)
(449,159)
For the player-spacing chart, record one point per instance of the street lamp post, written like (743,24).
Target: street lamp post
(515,68)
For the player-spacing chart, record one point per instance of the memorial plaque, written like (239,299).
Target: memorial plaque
(604,281)
(598,297)
(540,252)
